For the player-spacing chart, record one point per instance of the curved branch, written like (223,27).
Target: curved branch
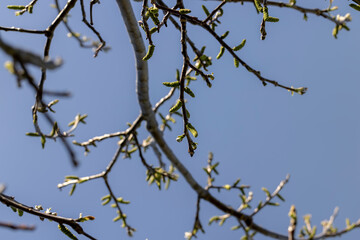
(142,81)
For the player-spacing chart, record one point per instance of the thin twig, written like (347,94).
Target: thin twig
(270,197)
(214,11)
(103,43)
(17,226)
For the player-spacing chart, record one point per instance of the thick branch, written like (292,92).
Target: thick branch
(152,126)
(9,201)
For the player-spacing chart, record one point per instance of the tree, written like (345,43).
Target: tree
(149,141)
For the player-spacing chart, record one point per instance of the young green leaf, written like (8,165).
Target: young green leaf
(280,197)
(117,218)
(236,227)
(240,46)
(273,204)
(180,138)
(214,219)
(224,35)
(176,107)
(72,189)
(20,212)
(354,6)
(258,5)
(188,91)
(187,114)
(222,50)
(153,30)
(265,13)
(106,199)
(272,19)
(149,53)
(67,232)
(236,63)
(153,13)
(266,192)
(43,141)
(53,102)
(54,129)
(16,7)
(32,134)
(171,84)
(205,10)
(192,129)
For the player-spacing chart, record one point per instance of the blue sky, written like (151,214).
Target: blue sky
(258,134)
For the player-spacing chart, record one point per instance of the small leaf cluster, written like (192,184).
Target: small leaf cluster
(300,90)
(307,230)
(153,13)
(202,61)
(236,48)
(215,19)
(219,219)
(120,215)
(19,211)
(211,168)
(55,128)
(165,121)
(265,11)
(107,198)
(195,230)
(78,119)
(158,176)
(249,235)
(131,147)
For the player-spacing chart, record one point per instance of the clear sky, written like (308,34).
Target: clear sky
(259,134)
